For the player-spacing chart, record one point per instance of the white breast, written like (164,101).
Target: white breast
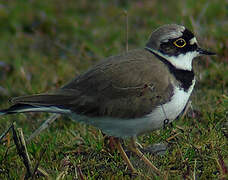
(171,109)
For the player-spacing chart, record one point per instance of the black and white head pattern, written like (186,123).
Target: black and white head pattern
(176,44)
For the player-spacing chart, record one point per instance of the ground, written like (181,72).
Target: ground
(44,44)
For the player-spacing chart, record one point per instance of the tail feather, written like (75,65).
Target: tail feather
(60,97)
(54,103)
(43,99)
(17,108)
(2,112)
(23,108)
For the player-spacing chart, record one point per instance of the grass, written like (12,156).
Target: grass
(44,44)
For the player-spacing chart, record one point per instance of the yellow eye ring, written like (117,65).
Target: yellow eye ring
(180,43)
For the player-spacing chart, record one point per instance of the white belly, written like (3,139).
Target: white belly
(172,109)
(132,127)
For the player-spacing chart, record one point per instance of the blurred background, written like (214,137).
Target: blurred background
(44,44)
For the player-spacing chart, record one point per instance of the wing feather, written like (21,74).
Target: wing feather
(121,86)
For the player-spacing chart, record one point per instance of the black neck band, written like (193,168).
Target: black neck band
(185,77)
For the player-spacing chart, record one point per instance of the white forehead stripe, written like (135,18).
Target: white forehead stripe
(193,41)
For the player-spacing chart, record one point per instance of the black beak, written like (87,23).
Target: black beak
(204,52)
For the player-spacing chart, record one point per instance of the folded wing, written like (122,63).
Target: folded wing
(121,86)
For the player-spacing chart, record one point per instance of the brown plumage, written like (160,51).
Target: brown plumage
(119,86)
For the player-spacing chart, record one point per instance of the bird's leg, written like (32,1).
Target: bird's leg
(124,156)
(133,148)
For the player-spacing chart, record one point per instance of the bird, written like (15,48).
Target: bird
(130,94)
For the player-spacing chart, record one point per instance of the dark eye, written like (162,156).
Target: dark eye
(180,42)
